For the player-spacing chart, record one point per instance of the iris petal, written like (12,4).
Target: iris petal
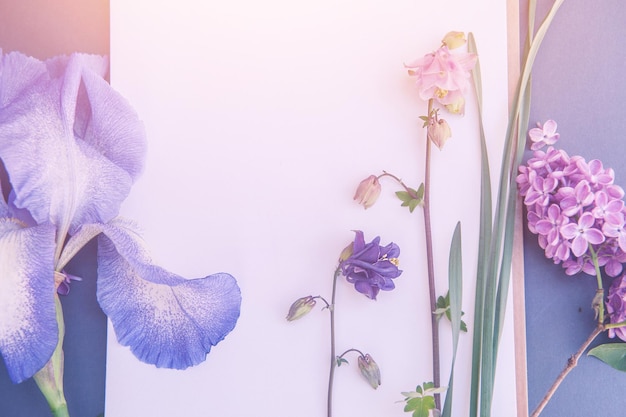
(167,320)
(28,327)
(17,73)
(56,129)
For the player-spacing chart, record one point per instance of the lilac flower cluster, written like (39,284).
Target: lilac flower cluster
(573,206)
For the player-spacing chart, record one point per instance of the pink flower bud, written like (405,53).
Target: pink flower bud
(369,370)
(368,191)
(438,131)
(454,40)
(301,307)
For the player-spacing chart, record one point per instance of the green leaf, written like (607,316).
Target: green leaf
(420,406)
(454,297)
(613,354)
(443,302)
(341,361)
(411,198)
(443,307)
(494,265)
(484,241)
(404,196)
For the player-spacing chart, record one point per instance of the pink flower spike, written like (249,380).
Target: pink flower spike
(543,135)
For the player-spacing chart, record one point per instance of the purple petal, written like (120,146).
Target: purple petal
(28,329)
(18,73)
(65,160)
(569,230)
(166,320)
(359,241)
(586,220)
(594,236)
(579,246)
(365,288)
(543,227)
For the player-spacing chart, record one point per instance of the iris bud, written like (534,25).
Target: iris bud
(369,370)
(368,191)
(300,308)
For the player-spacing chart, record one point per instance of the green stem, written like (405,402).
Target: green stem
(431,268)
(350,350)
(399,181)
(49,379)
(333,359)
(598,300)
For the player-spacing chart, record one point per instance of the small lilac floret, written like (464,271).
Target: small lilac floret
(371,267)
(543,135)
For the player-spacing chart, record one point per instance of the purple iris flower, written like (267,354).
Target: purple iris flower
(371,267)
(72,148)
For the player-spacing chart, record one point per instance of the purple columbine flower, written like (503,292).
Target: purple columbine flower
(371,267)
(72,148)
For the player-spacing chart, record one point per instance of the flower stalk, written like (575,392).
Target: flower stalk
(432,295)
(371,268)
(333,356)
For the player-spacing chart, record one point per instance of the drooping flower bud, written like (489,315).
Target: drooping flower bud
(454,40)
(368,191)
(438,131)
(369,370)
(300,307)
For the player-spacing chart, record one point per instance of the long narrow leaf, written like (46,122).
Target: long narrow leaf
(484,236)
(522,109)
(455,283)
(498,272)
(505,270)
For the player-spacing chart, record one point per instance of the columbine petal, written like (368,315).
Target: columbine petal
(28,329)
(166,320)
(61,141)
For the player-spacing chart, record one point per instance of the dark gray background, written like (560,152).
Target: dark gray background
(578,80)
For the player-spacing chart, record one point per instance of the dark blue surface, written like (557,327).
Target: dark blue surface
(84,347)
(578,80)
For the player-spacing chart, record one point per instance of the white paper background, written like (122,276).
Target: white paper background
(262,117)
